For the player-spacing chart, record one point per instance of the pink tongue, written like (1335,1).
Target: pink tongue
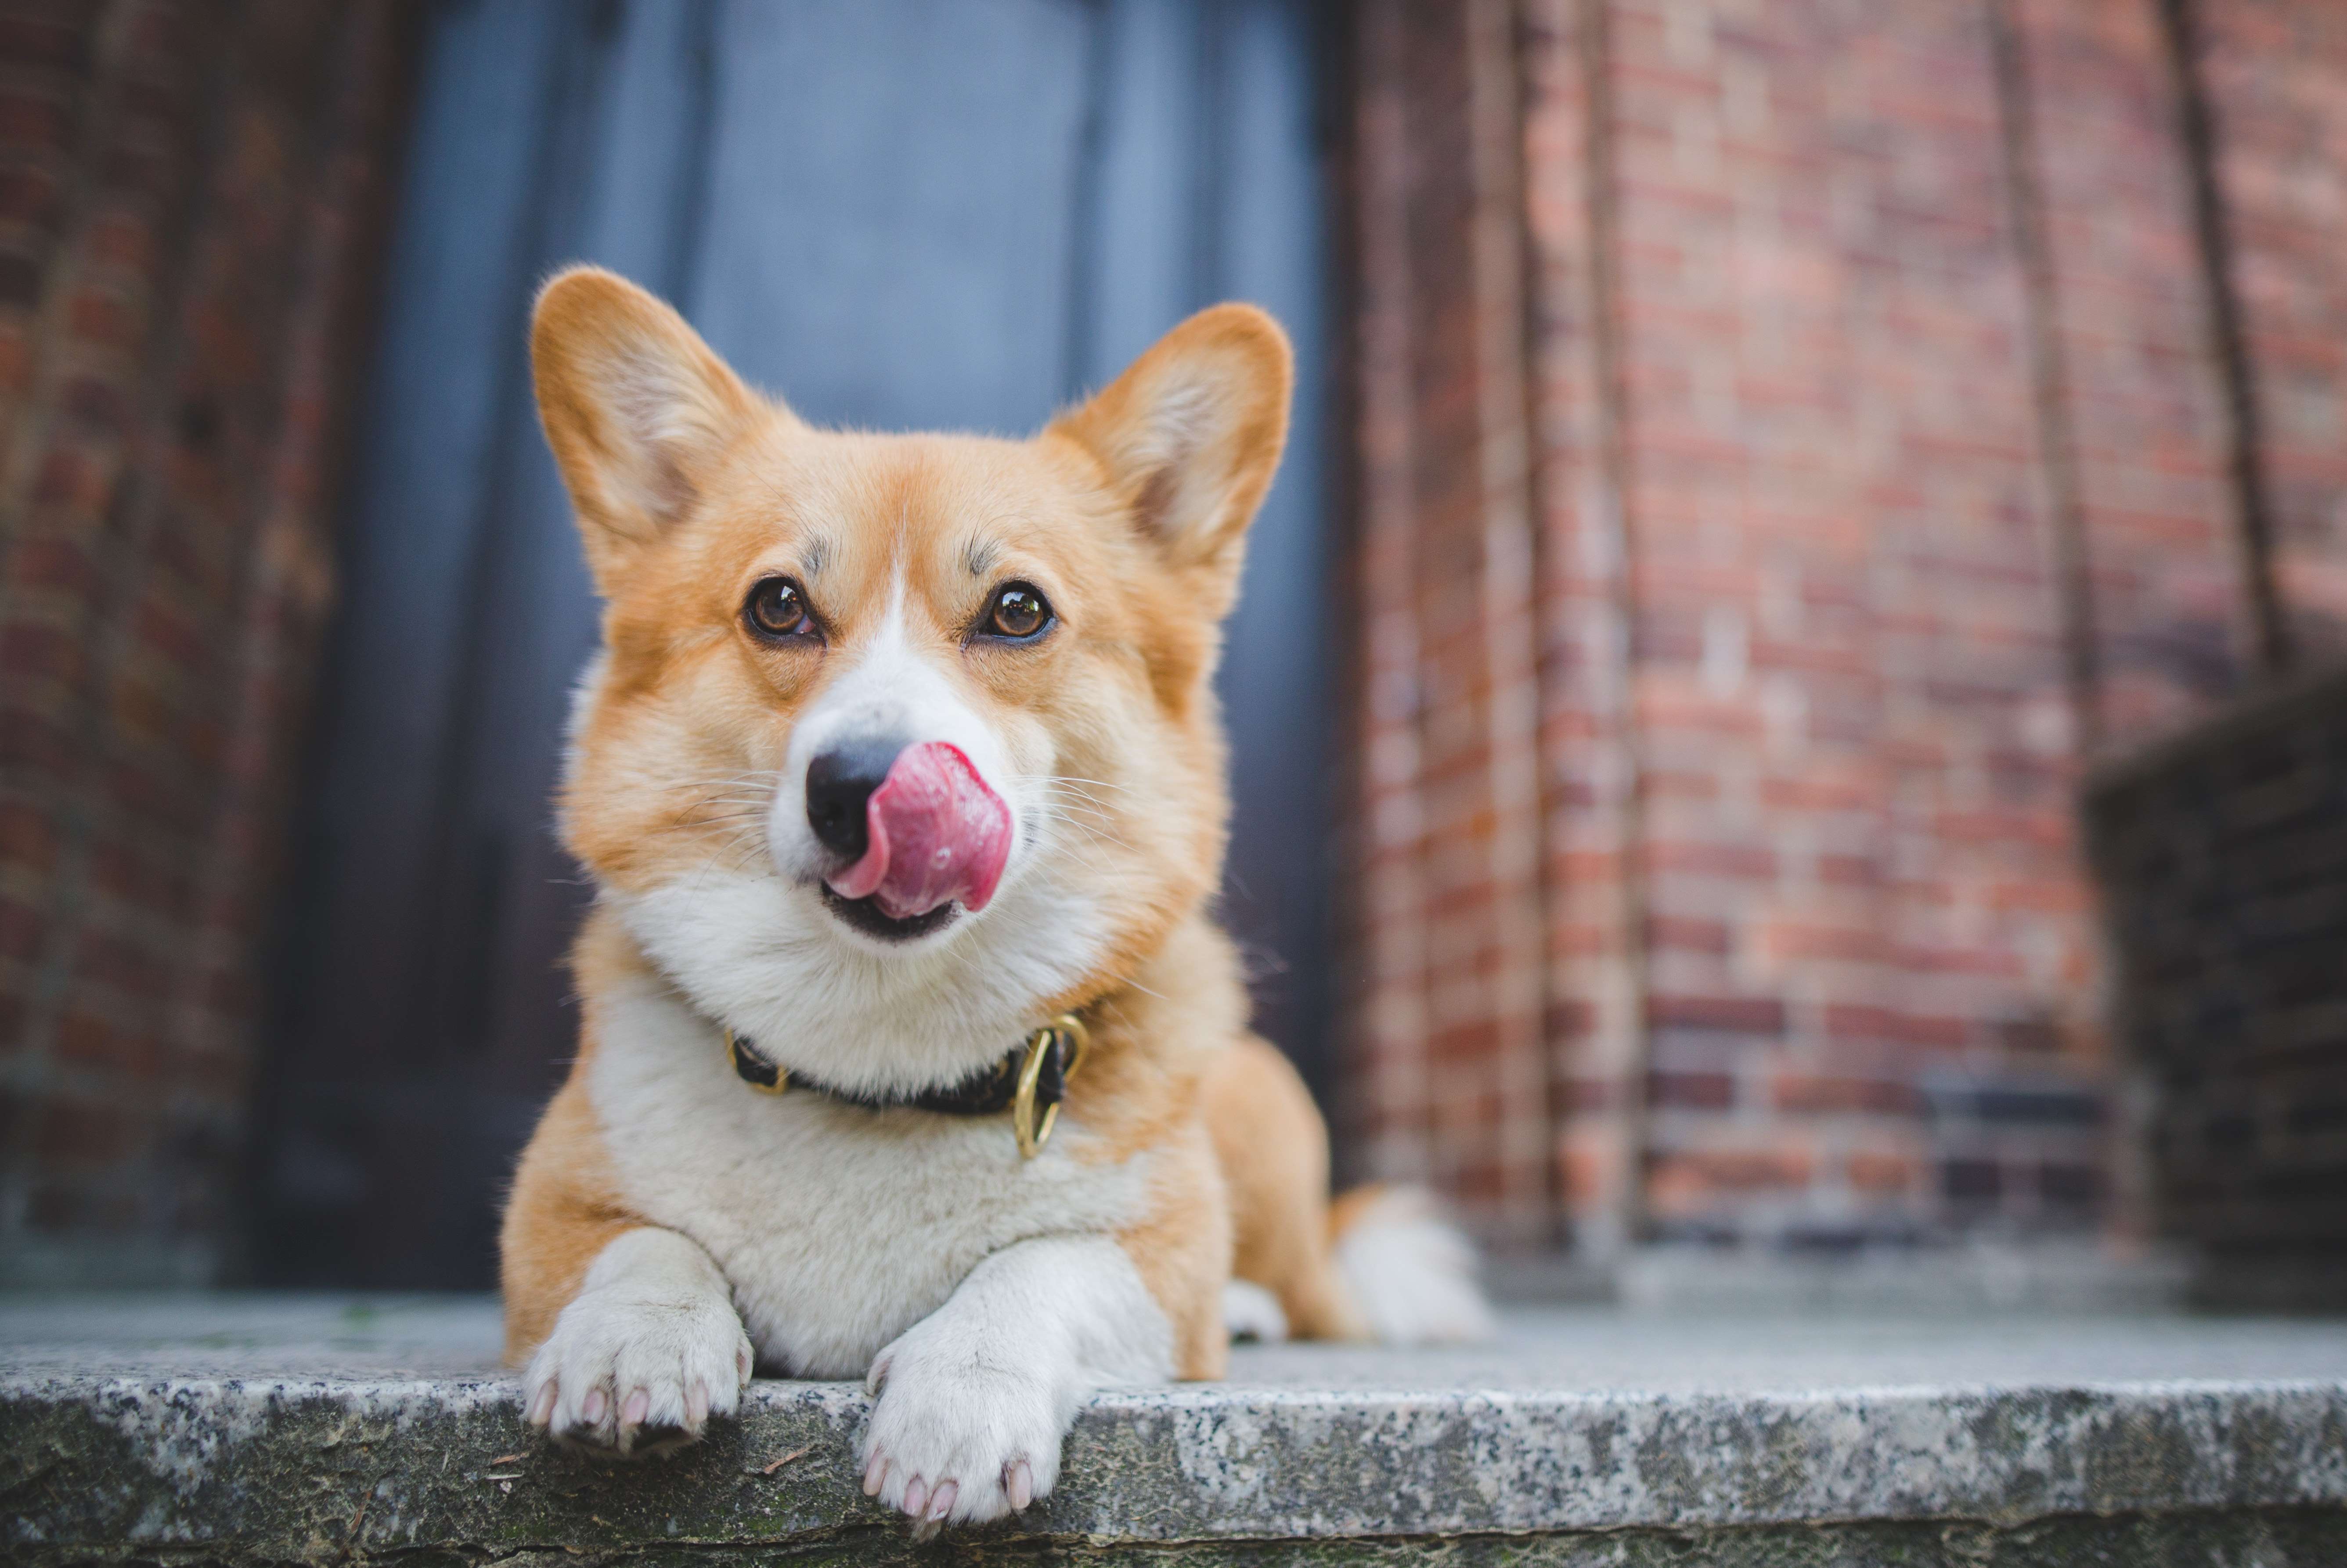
(934,832)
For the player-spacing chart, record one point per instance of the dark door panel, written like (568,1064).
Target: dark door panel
(889,244)
(894,213)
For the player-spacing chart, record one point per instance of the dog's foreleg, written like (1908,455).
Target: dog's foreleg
(974,1397)
(648,1350)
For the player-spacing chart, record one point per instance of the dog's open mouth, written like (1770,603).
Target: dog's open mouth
(867,916)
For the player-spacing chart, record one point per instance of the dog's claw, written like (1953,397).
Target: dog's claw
(1018,1485)
(941,1501)
(875,1474)
(917,1492)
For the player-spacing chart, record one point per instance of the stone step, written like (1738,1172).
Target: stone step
(264,1430)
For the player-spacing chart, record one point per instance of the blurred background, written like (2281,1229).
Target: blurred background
(1790,702)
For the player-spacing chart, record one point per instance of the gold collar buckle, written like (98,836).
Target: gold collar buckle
(1066,1037)
(766,1077)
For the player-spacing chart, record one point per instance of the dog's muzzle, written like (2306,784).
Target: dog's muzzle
(923,829)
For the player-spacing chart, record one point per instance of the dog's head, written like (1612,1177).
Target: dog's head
(895,741)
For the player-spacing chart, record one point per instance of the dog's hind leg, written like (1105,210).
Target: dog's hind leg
(1382,1263)
(1273,1152)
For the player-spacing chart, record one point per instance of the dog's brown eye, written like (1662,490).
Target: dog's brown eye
(1019,611)
(777,610)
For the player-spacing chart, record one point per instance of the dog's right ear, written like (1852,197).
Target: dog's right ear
(637,408)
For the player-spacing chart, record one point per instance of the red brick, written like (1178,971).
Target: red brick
(34,120)
(21,929)
(1691,1091)
(1880,1174)
(28,195)
(53,40)
(1861,1022)
(1728,1014)
(85,1041)
(1753,862)
(27,835)
(1688,1182)
(1804,1092)
(1709,936)
(81,1135)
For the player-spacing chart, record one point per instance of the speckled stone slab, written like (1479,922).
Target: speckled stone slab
(270,1430)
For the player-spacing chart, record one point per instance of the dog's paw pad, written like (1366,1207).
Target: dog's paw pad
(953,1441)
(626,1376)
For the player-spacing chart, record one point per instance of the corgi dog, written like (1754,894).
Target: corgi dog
(910,1050)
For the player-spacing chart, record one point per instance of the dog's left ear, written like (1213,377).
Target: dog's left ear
(1191,434)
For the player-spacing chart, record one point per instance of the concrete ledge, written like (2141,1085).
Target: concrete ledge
(1586,1437)
(2047,1278)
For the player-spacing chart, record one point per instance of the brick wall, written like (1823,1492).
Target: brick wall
(2275,76)
(1895,452)
(1796,439)
(187,195)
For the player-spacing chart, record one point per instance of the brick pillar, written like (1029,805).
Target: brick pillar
(1451,1064)
(190,191)
(1591,839)
(1385,1086)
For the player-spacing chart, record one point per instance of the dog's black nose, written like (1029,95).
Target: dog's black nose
(838,782)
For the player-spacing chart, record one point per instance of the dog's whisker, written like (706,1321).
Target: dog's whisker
(1080,852)
(1065,813)
(1077,779)
(1092,829)
(1065,797)
(1063,788)
(1100,821)
(1059,786)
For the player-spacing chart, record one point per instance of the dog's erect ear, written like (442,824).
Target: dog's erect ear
(1191,434)
(637,408)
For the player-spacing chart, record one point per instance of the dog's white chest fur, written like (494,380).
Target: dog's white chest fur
(838,1227)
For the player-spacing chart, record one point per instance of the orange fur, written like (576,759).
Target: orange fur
(1351,1206)
(1183,1251)
(1274,1153)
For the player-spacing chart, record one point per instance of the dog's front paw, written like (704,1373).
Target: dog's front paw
(961,1434)
(632,1371)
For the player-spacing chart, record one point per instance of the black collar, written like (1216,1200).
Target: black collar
(1029,1082)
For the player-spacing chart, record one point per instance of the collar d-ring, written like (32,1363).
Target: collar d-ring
(1054,1052)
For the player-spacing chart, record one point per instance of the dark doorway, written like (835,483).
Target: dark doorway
(895,213)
